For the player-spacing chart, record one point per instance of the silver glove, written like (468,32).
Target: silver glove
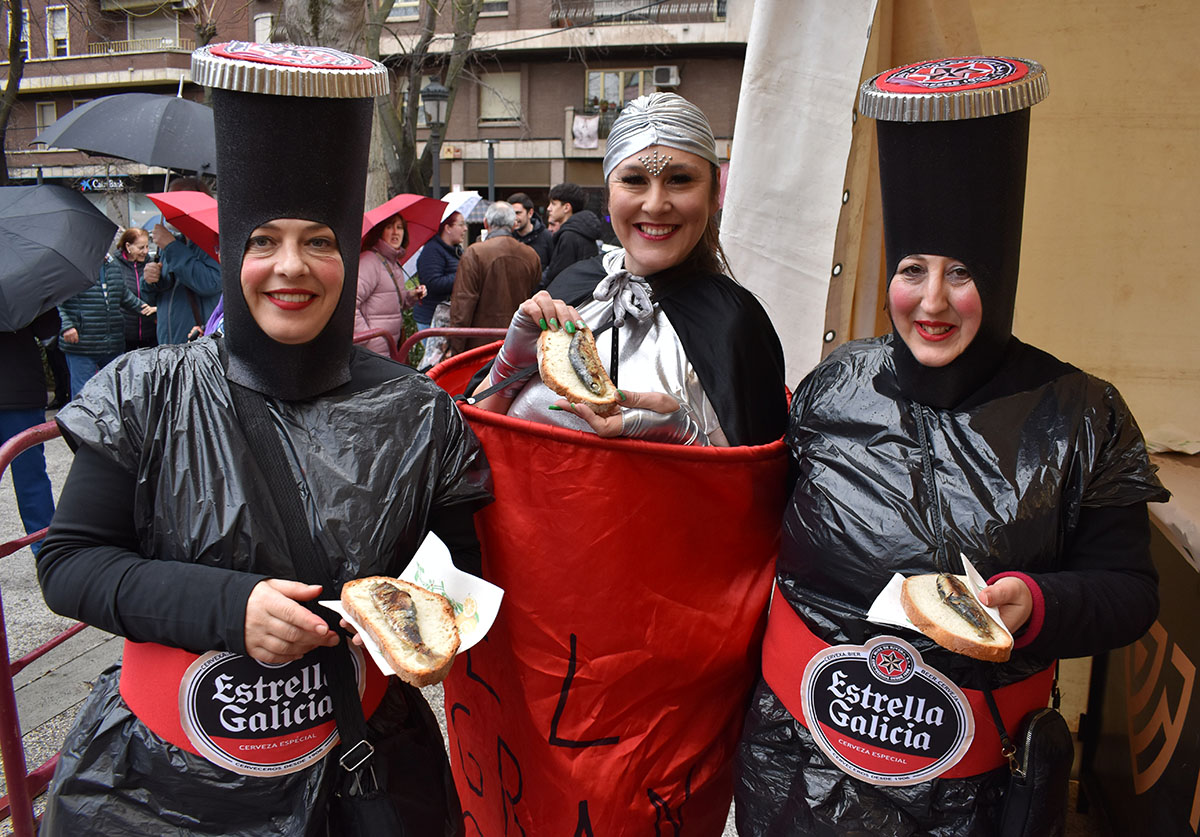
(679,427)
(519,351)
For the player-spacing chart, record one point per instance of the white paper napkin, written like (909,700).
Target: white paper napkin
(475,601)
(887,610)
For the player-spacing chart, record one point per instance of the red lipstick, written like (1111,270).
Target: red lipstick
(291,304)
(923,326)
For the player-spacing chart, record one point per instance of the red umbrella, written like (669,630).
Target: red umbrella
(192,213)
(421,215)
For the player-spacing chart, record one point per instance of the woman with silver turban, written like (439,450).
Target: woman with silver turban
(622,724)
(696,357)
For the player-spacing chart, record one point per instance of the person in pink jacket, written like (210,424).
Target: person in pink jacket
(384,299)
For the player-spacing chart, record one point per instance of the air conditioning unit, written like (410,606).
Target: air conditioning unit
(666,75)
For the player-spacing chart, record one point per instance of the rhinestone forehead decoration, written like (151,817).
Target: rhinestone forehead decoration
(654,162)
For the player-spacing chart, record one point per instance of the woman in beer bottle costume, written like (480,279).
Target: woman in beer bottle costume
(219,719)
(948,436)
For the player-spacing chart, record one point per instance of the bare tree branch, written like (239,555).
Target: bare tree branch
(16,69)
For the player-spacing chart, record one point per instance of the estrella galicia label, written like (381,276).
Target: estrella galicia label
(257,719)
(291,55)
(883,716)
(949,75)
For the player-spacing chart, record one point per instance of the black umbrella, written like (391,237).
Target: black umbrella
(53,242)
(149,128)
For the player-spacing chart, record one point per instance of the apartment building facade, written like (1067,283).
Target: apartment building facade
(542,84)
(546,78)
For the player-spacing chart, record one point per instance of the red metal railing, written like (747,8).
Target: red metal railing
(23,784)
(402,351)
(371,334)
(489,333)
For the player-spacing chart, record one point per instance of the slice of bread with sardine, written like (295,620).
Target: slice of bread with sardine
(415,629)
(570,366)
(942,607)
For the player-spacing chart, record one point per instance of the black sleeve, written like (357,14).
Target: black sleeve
(46,325)
(455,525)
(90,569)
(1106,595)
(541,246)
(568,249)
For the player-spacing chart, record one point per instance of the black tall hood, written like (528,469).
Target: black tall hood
(953,146)
(289,156)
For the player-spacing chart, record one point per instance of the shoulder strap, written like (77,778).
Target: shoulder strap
(251,410)
(1007,748)
(195,305)
(391,275)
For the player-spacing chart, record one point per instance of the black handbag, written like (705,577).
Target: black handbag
(358,804)
(1039,760)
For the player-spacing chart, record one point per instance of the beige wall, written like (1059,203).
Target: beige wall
(1112,222)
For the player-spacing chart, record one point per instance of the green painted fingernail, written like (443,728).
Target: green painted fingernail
(553,323)
(570,327)
(554,407)
(621,394)
(542,323)
(581,325)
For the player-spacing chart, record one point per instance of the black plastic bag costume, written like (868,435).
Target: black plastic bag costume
(169,524)
(381,457)
(1016,473)
(1036,468)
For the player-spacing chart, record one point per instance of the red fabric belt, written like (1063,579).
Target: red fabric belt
(789,644)
(151,675)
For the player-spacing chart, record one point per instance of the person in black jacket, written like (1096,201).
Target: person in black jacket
(437,266)
(23,405)
(578,231)
(93,327)
(530,229)
(141,330)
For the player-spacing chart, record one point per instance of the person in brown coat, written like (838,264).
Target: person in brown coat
(494,277)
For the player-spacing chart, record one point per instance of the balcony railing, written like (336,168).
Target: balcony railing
(602,12)
(142,45)
(607,117)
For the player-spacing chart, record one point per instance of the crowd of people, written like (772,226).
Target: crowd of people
(946,440)
(119,312)
(441,283)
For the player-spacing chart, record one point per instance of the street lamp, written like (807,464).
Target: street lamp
(434,99)
(491,144)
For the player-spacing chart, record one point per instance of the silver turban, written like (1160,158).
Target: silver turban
(659,119)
